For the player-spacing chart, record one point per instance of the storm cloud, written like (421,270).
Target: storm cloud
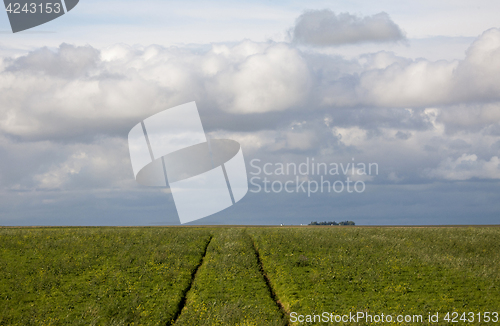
(325,28)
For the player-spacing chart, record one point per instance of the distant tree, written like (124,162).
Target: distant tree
(333,223)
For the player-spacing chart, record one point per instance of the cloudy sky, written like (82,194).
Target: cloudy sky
(410,86)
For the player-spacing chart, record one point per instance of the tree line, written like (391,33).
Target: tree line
(333,223)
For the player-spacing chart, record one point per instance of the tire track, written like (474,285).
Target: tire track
(273,295)
(182,303)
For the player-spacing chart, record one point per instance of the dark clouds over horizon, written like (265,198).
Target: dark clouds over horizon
(433,127)
(325,28)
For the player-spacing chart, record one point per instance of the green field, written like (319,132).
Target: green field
(246,275)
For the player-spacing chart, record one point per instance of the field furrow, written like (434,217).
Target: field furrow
(268,283)
(182,302)
(244,276)
(229,288)
(382,270)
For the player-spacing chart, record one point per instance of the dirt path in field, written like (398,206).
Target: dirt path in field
(182,303)
(267,281)
(230,253)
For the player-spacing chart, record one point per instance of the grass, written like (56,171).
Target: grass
(229,288)
(212,276)
(382,270)
(96,276)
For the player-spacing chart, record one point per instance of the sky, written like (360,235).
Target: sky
(409,87)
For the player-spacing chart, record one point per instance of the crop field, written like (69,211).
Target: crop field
(96,276)
(245,275)
(383,270)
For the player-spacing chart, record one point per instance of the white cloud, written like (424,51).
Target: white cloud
(57,176)
(75,91)
(423,83)
(477,76)
(351,136)
(275,79)
(325,28)
(466,167)
(419,83)
(102,163)
(123,84)
(409,115)
(68,62)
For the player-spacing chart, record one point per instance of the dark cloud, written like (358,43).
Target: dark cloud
(403,135)
(325,28)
